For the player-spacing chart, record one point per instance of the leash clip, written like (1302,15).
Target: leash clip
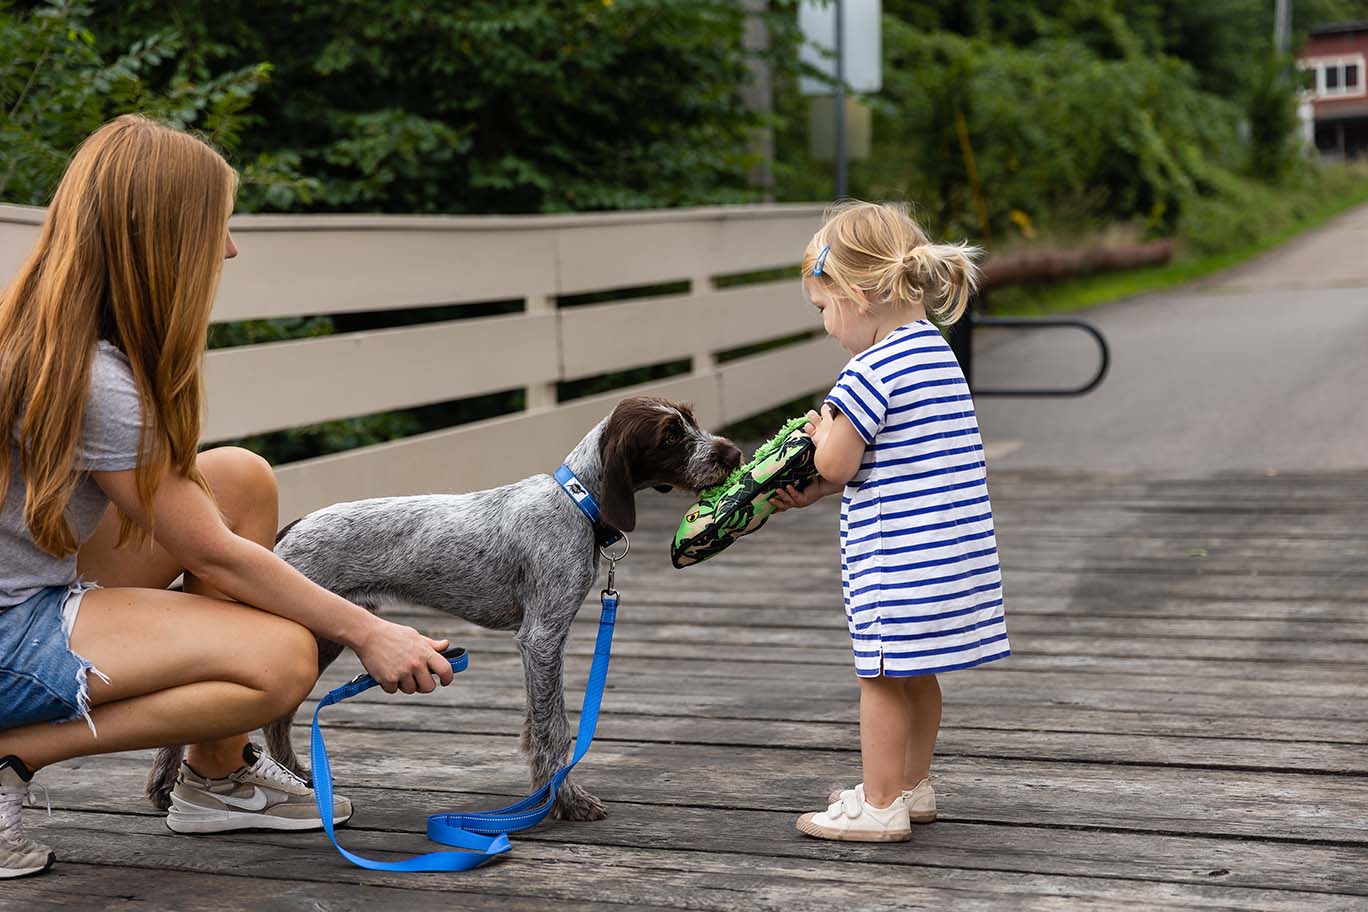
(612,564)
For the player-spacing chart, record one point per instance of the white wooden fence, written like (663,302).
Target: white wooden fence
(319,264)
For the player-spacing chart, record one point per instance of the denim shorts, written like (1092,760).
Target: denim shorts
(41,679)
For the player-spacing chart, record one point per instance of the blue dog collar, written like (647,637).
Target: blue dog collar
(584,499)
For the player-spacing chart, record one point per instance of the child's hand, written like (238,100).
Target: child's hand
(819,426)
(790,498)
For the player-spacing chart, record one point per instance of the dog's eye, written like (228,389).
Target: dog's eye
(672,438)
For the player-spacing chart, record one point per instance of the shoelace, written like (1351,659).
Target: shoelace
(12,807)
(267,767)
(11,803)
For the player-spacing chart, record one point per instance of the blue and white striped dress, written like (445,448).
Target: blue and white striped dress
(919,561)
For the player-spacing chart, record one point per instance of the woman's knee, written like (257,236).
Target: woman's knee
(299,664)
(242,482)
(288,668)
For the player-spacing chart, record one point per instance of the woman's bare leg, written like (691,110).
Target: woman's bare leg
(181,668)
(245,490)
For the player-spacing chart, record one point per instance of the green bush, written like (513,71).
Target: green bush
(485,105)
(57,85)
(1058,134)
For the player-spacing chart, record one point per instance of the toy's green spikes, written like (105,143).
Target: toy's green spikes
(710,495)
(741,504)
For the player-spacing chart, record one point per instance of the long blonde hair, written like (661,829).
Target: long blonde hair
(131,252)
(876,252)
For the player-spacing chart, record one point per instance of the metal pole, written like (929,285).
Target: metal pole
(1282,25)
(840,102)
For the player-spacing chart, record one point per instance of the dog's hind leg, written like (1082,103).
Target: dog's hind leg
(278,743)
(161,778)
(546,732)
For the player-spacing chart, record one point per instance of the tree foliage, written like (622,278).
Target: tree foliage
(1057,133)
(57,84)
(1075,112)
(484,105)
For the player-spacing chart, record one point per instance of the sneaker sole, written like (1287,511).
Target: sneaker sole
(234,821)
(808,828)
(11,873)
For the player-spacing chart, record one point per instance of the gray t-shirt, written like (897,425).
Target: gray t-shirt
(110,437)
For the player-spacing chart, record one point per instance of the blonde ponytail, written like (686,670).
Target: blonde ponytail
(874,254)
(948,271)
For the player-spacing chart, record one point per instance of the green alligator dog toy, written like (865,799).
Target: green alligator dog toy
(740,505)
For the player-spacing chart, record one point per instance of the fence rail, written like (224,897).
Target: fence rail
(311,265)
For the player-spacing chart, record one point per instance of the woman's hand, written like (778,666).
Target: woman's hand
(189,525)
(401,658)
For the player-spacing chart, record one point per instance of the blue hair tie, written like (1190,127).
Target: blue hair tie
(821,260)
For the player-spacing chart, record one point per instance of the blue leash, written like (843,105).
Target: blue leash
(480,848)
(484,834)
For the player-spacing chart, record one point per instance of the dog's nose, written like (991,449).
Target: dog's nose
(727,453)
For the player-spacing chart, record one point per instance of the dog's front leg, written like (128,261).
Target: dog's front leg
(546,733)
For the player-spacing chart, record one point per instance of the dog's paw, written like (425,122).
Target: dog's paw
(573,803)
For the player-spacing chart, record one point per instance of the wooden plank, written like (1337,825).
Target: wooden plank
(659,877)
(253,389)
(760,382)
(801,646)
(643,722)
(291,265)
(601,254)
(1252,804)
(472,456)
(322,267)
(115,877)
(16,242)
(603,337)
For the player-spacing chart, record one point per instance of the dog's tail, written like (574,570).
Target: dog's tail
(162,777)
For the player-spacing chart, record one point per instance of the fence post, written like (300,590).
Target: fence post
(703,361)
(542,395)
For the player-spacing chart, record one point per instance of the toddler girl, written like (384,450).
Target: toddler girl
(919,564)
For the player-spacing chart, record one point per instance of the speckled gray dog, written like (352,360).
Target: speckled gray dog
(520,557)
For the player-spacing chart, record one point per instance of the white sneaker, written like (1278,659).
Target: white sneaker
(920,801)
(19,855)
(263,795)
(852,819)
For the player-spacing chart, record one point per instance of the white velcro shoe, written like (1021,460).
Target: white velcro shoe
(920,801)
(852,819)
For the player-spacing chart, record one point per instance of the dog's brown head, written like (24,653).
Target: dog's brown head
(652,442)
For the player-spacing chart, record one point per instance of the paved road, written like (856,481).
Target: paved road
(1264,367)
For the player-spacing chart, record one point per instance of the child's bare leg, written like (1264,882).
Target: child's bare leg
(922,697)
(884,733)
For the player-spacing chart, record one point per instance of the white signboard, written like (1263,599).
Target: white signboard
(861,35)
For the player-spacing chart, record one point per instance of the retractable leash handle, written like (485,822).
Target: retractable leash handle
(482,847)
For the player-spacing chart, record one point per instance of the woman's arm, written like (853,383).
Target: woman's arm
(185,521)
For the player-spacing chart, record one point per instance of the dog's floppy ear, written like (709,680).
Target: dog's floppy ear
(618,501)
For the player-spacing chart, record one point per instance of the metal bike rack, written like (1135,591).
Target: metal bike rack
(961,335)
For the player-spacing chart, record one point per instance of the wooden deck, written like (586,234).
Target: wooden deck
(1184,725)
